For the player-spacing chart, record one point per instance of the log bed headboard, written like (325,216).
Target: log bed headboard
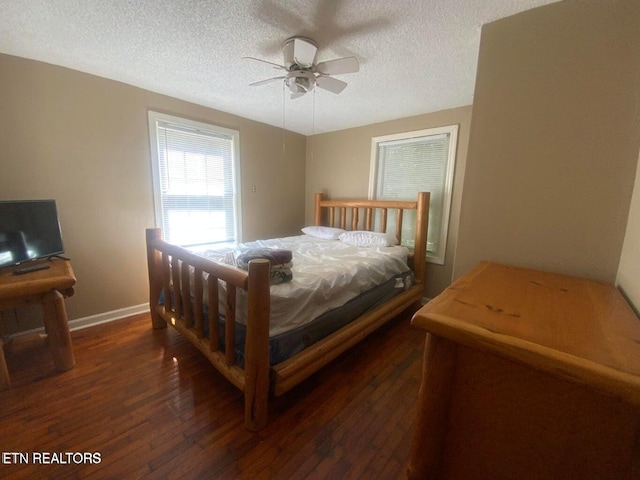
(360,215)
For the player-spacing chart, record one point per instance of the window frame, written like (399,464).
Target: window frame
(153,119)
(437,257)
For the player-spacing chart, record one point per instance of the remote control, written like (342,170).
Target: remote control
(35,268)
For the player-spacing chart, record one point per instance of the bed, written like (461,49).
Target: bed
(233,315)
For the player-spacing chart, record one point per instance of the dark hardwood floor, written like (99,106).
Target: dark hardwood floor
(151,406)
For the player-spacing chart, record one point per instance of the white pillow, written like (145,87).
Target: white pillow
(328,233)
(361,238)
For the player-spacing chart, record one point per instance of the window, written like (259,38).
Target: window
(423,161)
(195,180)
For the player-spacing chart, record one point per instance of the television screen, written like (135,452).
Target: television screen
(29,229)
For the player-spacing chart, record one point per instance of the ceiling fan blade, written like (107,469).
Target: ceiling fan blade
(332,85)
(274,65)
(304,53)
(339,66)
(268,80)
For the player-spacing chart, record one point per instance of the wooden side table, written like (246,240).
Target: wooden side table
(528,375)
(48,288)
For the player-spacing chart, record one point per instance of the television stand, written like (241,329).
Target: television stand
(48,287)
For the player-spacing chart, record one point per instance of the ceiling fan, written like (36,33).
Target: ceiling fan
(302,71)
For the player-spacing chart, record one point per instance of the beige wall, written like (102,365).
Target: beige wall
(628,277)
(338,165)
(84,141)
(554,140)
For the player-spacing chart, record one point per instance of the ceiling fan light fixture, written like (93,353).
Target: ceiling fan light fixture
(300,82)
(299,86)
(294,87)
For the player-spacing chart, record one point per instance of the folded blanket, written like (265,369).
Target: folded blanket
(280,260)
(275,256)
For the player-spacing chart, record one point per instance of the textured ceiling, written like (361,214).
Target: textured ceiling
(416,56)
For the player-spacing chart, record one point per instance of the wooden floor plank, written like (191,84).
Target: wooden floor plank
(153,407)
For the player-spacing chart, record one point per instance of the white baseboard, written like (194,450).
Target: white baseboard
(92,320)
(105,317)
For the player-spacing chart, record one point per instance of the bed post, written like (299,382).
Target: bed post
(257,368)
(317,218)
(155,276)
(420,249)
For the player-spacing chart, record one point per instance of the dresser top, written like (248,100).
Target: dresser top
(579,329)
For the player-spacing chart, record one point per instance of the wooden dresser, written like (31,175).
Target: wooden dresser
(528,375)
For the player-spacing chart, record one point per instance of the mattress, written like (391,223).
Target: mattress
(326,275)
(287,344)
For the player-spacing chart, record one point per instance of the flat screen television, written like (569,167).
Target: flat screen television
(29,230)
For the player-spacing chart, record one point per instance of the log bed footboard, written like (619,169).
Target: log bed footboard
(188,286)
(170,276)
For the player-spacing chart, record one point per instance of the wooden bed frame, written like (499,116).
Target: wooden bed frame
(169,272)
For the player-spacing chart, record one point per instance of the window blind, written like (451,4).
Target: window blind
(196,190)
(405,166)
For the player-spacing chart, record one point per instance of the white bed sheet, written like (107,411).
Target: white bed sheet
(326,275)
